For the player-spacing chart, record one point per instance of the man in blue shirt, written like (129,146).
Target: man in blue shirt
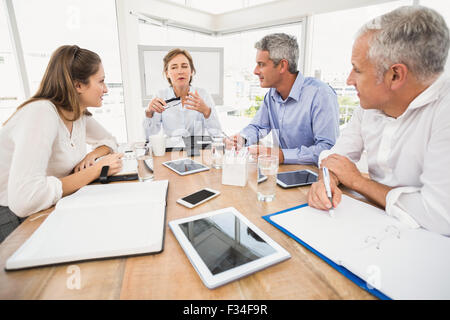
(302,112)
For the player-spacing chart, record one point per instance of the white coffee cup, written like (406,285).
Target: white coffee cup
(158,143)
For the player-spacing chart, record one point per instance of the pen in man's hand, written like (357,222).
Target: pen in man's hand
(226,136)
(326,181)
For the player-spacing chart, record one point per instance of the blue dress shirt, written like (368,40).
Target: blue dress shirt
(305,124)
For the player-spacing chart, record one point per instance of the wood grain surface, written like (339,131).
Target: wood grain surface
(169,275)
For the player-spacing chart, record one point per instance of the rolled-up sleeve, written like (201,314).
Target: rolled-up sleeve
(98,136)
(428,205)
(325,128)
(29,188)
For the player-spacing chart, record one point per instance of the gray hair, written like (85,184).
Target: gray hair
(280,46)
(412,35)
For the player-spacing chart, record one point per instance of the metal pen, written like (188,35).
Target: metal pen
(170,100)
(326,181)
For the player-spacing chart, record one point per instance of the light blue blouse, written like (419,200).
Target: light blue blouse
(179,121)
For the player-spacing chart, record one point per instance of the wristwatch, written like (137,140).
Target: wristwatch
(104,175)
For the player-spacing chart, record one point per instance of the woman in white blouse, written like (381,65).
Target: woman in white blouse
(43,143)
(193,113)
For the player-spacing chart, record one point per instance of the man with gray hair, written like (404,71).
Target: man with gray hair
(403,124)
(302,112)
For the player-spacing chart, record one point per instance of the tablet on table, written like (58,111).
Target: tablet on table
(185,166)
(223,246)
(296,178)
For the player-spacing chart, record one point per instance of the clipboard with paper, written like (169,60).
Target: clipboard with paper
(375,251)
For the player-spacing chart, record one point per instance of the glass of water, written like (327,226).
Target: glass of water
(267,167)
(217,152)
(143,153)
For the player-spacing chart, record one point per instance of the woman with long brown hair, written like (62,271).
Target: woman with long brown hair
(194,113)
(43,143)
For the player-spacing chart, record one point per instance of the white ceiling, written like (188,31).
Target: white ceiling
(244,14)
(219,6)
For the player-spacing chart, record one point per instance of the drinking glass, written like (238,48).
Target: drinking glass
(143,152)
(268,166)
(217,152)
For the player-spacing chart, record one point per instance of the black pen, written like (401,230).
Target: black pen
(170,100)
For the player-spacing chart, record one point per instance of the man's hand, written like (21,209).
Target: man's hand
(317,195)
(236,141)
(345,170)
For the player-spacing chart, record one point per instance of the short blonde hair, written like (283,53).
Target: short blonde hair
(172,54)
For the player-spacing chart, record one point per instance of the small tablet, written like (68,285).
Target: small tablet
(185,166)
(297,178)
(223,246)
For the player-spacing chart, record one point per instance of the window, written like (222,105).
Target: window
(242,93)
(333,36)
(45,25)
(10,90)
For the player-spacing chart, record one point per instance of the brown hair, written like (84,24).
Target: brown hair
(68,64)
(172,54)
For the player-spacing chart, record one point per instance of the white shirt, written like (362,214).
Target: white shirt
(37,149)
(410,153)
(179,121)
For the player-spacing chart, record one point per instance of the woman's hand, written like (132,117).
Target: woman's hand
(114,161)
(194,102)
(88,161)
(156,105)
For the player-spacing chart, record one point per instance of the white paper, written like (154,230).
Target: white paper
(401,262)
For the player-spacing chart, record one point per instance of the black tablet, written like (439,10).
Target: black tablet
(296,178)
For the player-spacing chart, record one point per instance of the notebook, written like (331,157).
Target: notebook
(127,173)
(98,221)
(374,250)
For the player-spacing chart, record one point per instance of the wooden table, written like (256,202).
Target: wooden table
(169,275)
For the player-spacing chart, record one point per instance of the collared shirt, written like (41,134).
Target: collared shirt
(305,123)
(37,150)
(410,153)
(179,121)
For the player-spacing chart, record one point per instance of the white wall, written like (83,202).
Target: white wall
(284,11)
